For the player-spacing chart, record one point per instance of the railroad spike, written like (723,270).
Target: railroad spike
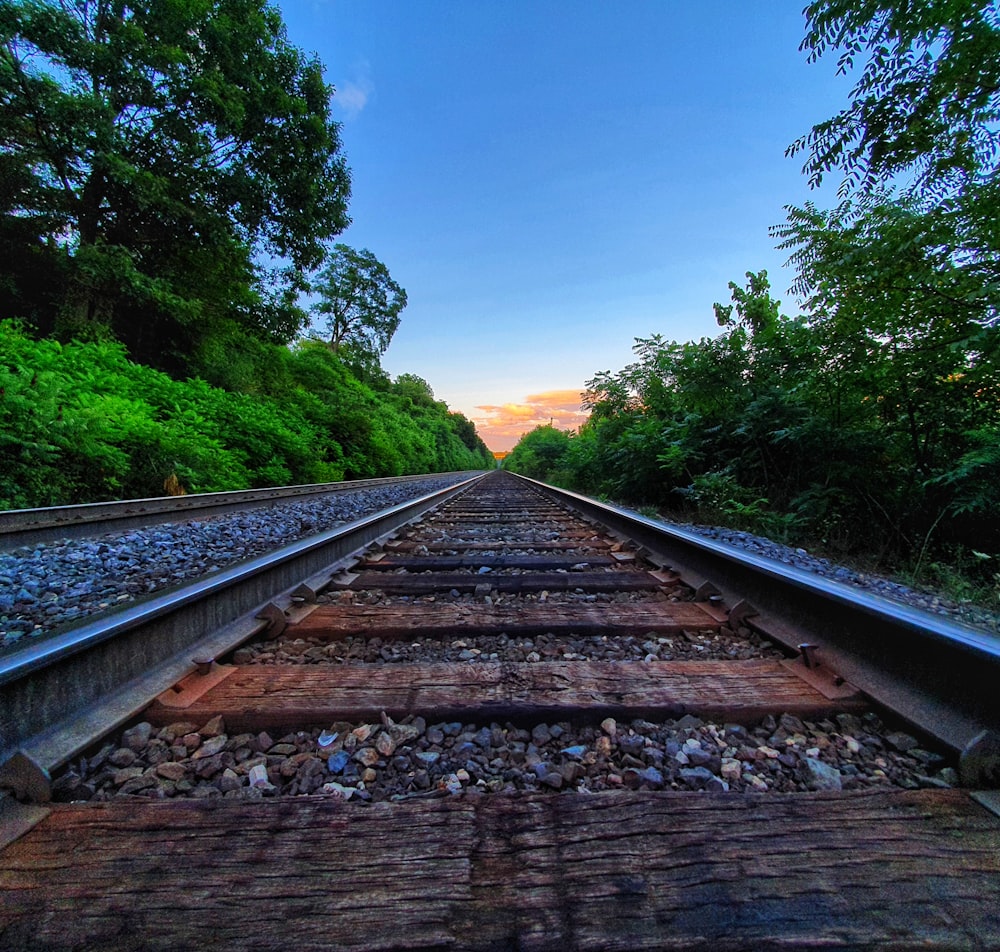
(809,655)
(706,592)
(28,780)
(204,665)
(305,593)
(276,618)
(741,611)
(979,763)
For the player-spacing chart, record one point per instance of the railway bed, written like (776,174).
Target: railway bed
(507,728)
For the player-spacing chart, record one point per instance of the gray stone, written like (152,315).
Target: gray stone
(792,724)
(901,742)
(385,745)
(819,775)
(125,774)
(689,722)
(171,770)
(281,750)
(367,757)
(137,737)
(696,777)
(214,727)
(552,779)
(208,767)
(652,776)
(264,741)
(211,747)
(137,785)
(540,734)
(700,758)
(230,780)
(123,757)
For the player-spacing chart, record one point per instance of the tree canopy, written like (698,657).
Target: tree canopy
(159,152)
(927,99)
(359,303)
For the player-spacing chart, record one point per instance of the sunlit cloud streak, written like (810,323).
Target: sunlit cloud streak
(502,426)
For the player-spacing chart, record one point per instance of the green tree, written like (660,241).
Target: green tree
(922,123)
(417,390)
(927,99)
(168,145)
(359,303)
(540,453)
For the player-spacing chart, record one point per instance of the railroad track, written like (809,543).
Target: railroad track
(508,727)
(20,527)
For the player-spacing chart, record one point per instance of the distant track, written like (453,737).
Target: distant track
(20,527)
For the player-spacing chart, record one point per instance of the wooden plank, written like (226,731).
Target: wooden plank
(628,871)
(408,545)
(259,697)
(409,620)
(442,563)
(430,582)
(283,875)
(668,871)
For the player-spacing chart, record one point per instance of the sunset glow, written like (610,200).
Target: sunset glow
(502,426)
(581,175)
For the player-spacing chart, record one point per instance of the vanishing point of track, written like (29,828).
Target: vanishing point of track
(501,683)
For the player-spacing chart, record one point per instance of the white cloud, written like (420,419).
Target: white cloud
(351,96)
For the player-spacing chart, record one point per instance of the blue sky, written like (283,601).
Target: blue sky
(550,180)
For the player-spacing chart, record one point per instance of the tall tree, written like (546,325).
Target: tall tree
(359,303)
(167,145)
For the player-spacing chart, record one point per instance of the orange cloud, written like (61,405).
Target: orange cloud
(502,426)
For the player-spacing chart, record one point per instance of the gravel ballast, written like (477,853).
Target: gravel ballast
(389,761)
(47,585)
(885,588)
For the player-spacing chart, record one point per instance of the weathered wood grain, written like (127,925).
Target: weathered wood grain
(629,871)
(443,563)
(430,582)
(257,697)
(408,545)
(441,620)
(242,876)
(669,871)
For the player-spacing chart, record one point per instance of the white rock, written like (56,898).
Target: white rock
(258,776)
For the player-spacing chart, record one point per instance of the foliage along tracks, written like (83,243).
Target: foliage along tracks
(618,859)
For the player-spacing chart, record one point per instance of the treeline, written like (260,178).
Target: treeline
(862,443)
(80,422)
(869,423)
(171,185)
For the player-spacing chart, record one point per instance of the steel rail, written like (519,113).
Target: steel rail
(19,527)
(938,675)
(62,692)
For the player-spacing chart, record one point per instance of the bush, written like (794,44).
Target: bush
(79,422)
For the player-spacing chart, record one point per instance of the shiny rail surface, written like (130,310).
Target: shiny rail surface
(61,691)
(19,527)
(938,675)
